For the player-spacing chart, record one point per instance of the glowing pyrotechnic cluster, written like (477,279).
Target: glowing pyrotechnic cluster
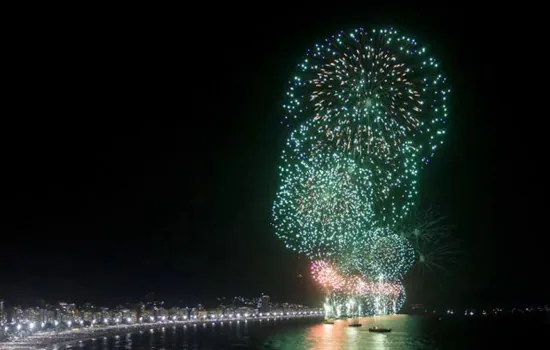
(323,203)
(380,253)
(376,96)
(373,297)
(328,276)
(367,110)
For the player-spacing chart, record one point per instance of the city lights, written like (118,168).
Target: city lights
(76,323)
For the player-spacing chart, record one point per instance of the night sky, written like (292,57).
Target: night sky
(140,156)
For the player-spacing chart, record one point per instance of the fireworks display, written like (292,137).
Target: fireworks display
(380,253)
(430,239)
(323,204)
(377,95)
(353,295)
(366,112)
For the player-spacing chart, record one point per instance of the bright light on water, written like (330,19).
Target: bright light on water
(408,332)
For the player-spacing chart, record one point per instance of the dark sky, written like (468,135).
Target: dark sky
(140,154)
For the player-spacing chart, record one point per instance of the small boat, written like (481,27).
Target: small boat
(328,321)
(379,330)
(355,325)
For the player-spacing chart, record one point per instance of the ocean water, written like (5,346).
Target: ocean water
(408,332)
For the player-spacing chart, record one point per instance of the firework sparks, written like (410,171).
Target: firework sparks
(367,110)
(378,96)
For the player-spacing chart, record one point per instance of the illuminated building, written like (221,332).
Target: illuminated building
(264,306)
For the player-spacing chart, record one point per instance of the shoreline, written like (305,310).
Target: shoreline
(52,340)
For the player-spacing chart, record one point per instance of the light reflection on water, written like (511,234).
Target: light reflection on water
(408,332)
(340,336)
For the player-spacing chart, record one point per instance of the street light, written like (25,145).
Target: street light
(31,325)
